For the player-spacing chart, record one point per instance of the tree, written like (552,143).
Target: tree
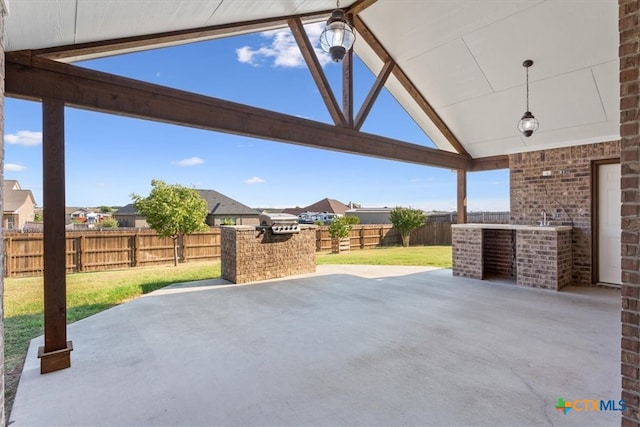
(339,229)
(109,222)
(106,209)
(172,211)
(405,220)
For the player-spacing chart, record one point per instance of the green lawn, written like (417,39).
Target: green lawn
(436,256)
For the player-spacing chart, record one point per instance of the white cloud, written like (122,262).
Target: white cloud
(14,167)
(254,180)
(24,137)
(192,161)
(282,49)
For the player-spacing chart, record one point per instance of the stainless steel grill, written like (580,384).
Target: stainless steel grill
(280,223)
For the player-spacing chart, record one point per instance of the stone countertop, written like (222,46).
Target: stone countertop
(513,227)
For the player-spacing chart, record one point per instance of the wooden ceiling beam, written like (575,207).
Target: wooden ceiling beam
(39,78)
(368,102)
(310,57)
(359,6)
(372,41)
(489,163)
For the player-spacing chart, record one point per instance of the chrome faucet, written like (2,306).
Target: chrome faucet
(544,222)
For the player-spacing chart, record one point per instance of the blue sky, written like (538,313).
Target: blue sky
(109,157)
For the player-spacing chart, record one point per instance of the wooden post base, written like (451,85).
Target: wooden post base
(55,360)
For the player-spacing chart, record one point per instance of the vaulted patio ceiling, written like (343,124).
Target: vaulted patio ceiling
(457,65)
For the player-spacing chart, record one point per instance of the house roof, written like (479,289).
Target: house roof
(11,184)
(464,58)
(73,209)
(324,205)
(14,199)
(219,204)
(126,210)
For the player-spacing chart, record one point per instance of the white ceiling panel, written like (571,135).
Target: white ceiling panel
(38,23)
(96,19)
(558,35)
(408,28)
(606,76)
(496,147)
(449,74)
(565,101)
(585,134)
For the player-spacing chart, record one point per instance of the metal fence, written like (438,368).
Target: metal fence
(473,217)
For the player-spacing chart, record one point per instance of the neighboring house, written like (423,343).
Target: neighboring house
(128,217)
(222,208)
(76,214)
(371,215)
(322,206)
(19,206)
(219,207)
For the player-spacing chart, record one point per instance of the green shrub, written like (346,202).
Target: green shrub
(405,220)
(109,223)
(340,227)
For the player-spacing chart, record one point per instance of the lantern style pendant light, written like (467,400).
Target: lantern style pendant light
(338,36)
(528,123)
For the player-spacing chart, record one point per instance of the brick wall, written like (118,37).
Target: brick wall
(566,193)
(248,255)
(544,258)
(467,252)
(498,254)
(2,13)
(629,26)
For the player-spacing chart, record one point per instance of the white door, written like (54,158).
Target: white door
(609,227)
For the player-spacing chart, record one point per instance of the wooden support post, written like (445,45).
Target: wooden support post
(347,87)
(55,354)
(462,196)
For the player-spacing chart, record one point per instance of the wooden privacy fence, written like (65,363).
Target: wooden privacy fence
(107,250)
(371,236)
(111,250)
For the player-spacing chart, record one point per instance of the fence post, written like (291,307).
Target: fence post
(7,257)
(80,243)
(136,249)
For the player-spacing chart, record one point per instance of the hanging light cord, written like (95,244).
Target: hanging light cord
(527,88)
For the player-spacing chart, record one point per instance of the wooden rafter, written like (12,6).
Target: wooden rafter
(359,6)
(490,163)
(38,78)
(407,84)
(310,57)
(170,38)
(373,93)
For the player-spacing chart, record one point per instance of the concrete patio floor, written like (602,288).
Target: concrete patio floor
(348,345)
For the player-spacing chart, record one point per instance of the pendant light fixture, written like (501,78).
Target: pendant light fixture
(338,36)
(528,123)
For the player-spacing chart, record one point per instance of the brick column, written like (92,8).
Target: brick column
(2,13)
(629,27)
